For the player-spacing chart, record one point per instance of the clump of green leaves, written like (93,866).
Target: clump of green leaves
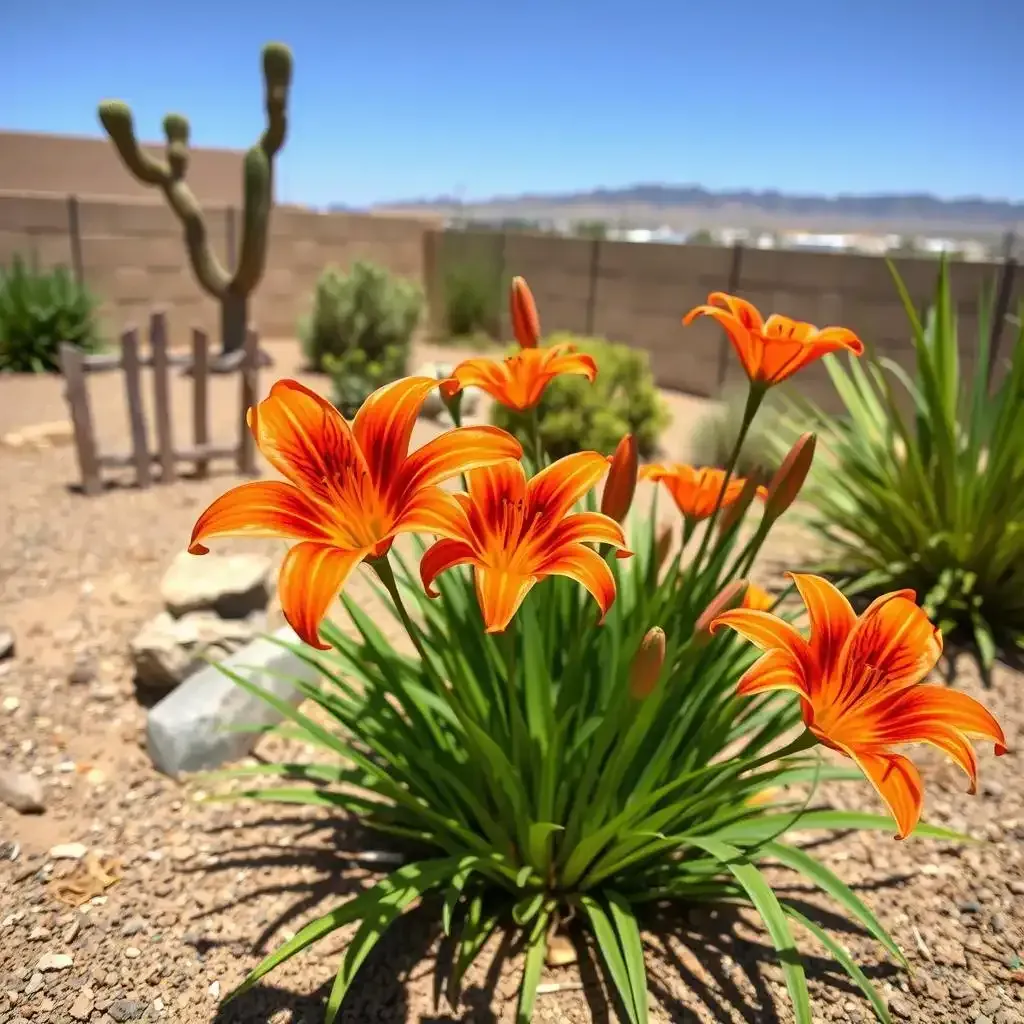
(40,309)
(471,302)
(922,484)
(360,330)
(714,438)
(575,415)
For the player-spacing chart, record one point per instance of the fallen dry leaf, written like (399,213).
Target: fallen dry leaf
(91,878)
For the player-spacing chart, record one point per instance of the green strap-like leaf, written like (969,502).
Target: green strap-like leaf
(632,951)
(611,954)
(535,950)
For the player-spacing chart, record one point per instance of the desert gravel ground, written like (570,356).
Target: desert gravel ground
(202,891)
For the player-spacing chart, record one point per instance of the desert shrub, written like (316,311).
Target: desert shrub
(714,437)
(922,484)
(470,302)
(39,309)
(360,329)
(575,415)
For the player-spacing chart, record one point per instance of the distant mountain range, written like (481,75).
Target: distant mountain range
(690,206)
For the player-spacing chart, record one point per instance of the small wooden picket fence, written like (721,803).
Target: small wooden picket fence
(77,365)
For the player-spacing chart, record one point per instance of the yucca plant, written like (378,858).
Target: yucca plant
(922,485)
(40,309)
(544,765)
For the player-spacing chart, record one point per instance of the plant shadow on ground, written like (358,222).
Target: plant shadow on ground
(691,944)
(124,479)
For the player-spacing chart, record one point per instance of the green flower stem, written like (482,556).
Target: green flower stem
(386,574)
(538,445)
(508,643)
(754,399)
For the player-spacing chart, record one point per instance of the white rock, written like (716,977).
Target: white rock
(40,435)
(233,586)
(6,643)
(214,990)
(68,851)
(54,962)
(11,703)
(21,791)
(166,651)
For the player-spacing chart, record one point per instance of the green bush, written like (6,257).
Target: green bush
(934,500)
(714,437)
(471,302)
(577,416)
(361,329)
(39,309)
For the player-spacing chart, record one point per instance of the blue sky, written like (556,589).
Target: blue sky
(403,98)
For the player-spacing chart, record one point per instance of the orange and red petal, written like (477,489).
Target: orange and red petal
(746,312)
(837,338)
(383,426)
(491,489)
(500,593)
(831,616)
(574,363)
(262,508)
(431,510)
(523,310)
(588,569)
(558,487)
(766,631)
(490,375)
(439,557)
(898,783)
(590,528)
(747,342)
(305,439)
(311,577)
(774,670)
(892,646)
(454,452)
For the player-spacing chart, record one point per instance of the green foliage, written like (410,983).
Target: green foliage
(922,485)
(714,437)
(470,302)
(39,309)
(575,415)
(360,330)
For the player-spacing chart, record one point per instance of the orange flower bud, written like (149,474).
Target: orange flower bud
(757,599)
(729,597)
(525,322)
(790,476)
(647,663)
(734,512)
(621,483)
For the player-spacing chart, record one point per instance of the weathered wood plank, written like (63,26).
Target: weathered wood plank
(162,396)
(200,396)
(136,415)
(76,393)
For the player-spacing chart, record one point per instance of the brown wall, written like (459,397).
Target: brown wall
(131,254)
(638,293)
(69,164)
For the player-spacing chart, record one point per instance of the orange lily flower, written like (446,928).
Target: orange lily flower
(696,491)
(348,490)
(861,690)
(515,532)
(772,350)
(519,381)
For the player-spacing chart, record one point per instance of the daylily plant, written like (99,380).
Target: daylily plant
(555,748)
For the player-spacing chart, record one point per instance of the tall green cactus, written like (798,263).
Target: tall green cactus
(231,289)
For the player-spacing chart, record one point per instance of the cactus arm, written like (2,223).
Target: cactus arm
(116,118)
(258,171)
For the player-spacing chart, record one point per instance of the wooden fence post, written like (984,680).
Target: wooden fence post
(76,393)
(162,395)
(200,384)
(250,379)
(136,414)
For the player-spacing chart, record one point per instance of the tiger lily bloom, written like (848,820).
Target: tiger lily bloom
(772,350)
(515,532)
(861,690)
(519,381)
(696,491)
(348,490)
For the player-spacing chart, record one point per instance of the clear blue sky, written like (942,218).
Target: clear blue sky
(404,99)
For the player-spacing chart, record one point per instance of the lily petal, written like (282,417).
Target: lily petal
(557,488)
(500,593)
(439,557)
(587,568)
(383,426)
(490,489)
(489,375)
(590,528)
(311,577)
(774,670)
(898,783)
(745,340)
(577,363)
(832,619)
(766,631)
(745,312)
(454,452)
(261,508)
(432,510)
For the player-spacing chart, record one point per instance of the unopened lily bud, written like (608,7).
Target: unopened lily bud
(525,322)
(757,599)
(731,514)
(647,663)
(621,483)
(729,597)
(790,476)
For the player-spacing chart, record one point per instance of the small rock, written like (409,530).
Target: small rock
(81,1008)
(231,586)
(54,962)
(95,776)
(35,983)
(11,703)
(83,672)
(22,792)
(68,851)
(182,853)
(40,435)
(998,923)
(990,787)
(133,926)
(132,952)
(6,643)
(10,850)
(970,907)
(982,1018)
(126,1009)
(1017,888)
(39,934)
(214,990)
(899,1006)
(71,932)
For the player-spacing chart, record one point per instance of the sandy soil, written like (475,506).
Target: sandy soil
(203,890)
